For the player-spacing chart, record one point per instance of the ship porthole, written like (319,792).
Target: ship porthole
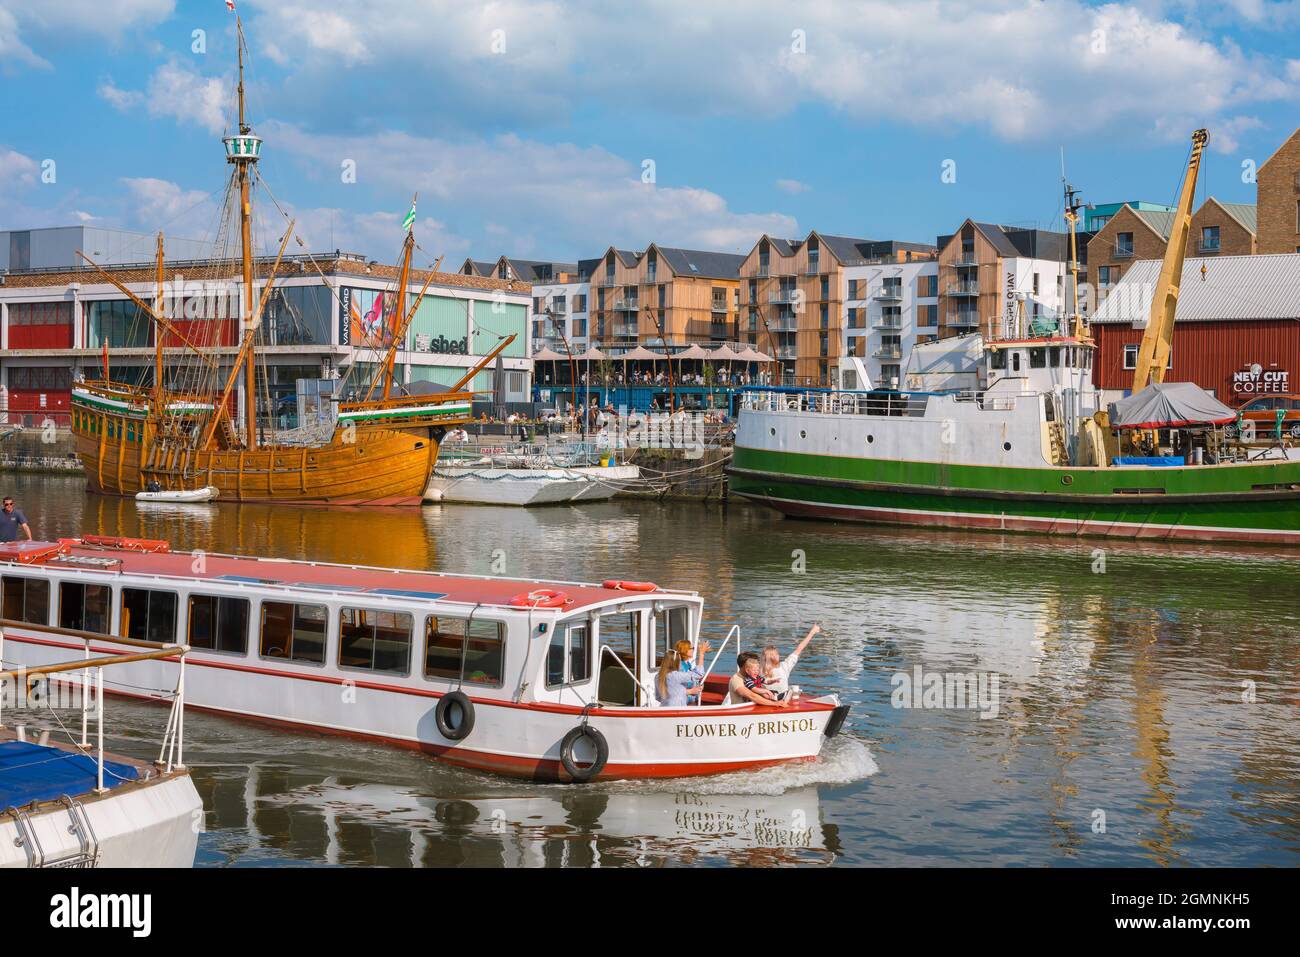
(1006,446)
(1067,479)
(870,439)
(803,434)
(773,431)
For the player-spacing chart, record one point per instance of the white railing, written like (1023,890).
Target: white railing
(171,755)
(606,648)
(832,402)
(735,631)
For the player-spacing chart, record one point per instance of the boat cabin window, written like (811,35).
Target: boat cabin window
(997,359)
(620,636)
(26,599)
(85,607)
(479,644)
(568,656)
(219,623)
(1037,358)
(671,626)
(148,615)
(375,640)
(1015,361)
(294,631)
(1054,356)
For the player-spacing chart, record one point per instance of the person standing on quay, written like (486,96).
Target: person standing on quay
(12,522)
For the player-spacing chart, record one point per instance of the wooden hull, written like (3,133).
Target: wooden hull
(380,467)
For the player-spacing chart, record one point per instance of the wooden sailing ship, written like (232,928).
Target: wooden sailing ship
(186,433)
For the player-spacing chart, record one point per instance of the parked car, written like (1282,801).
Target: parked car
(1263,412)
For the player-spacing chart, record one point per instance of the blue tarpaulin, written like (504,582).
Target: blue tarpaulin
(1148,460)
(33,772)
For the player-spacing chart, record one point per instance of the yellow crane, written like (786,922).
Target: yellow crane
(1157,341)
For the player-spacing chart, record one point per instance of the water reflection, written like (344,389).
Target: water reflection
(1147,695)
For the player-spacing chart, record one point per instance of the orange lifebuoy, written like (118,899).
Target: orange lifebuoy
(541,598)
(630,586)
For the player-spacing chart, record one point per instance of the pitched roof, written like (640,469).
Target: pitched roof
(539,270)
(1157,219)
(1279,148)
(701,262)
(1244,213)
(1233,287)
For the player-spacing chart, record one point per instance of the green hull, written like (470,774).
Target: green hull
(1247,502)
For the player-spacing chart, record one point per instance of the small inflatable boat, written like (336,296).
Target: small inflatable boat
(206,494)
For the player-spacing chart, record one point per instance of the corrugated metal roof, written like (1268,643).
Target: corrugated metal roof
(1233,287)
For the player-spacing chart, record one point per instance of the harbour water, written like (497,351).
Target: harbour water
(1145,709)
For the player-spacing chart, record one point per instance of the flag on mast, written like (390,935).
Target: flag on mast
(409,222)
(230,4)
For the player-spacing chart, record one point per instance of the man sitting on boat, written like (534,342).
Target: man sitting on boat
(747,685)
(776,672)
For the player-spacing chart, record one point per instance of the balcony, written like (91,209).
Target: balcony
(965,259)
(626,305)
(783,324)
(606,280)
(963,289)
(764,271)
(785,352)
(964,320)
(624,329)
(719,306)
(888,352)
(889,294)
(812,269)
(887,323)
(1122,252)
(783,297)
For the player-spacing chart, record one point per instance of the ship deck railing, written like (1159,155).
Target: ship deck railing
(171,754)
(881,402)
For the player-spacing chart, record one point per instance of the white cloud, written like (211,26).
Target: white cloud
(118,98)
(84,216)
(553,195)
(16,169)
(179,92)
(792,186)
(12,48)
(1021,70)
(162,204)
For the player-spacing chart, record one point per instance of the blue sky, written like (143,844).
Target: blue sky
(526,126)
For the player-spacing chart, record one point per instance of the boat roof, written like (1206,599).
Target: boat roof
(147,557)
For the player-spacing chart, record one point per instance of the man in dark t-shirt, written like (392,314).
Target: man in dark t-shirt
(12,522)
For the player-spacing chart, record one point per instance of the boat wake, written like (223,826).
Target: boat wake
(843,760)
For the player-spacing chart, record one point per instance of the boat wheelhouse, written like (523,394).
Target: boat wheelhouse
(546,680)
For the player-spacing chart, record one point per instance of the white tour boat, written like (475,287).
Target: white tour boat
(64,800)
(545,680)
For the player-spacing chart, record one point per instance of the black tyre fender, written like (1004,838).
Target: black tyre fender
(567,744)
(441,715)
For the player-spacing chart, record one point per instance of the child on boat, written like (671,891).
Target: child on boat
(776,672)
(747,685)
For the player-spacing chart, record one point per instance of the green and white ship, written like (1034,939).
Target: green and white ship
(1030,449)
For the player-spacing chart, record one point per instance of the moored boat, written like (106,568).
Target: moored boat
(205,494)
(64,800)
(545,680)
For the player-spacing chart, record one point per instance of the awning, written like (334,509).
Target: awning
(750,354)
(695,353)
(592,354)
(641,354)
(1169,405)
(724,353)
(547,354)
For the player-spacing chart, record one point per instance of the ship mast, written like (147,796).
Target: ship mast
(158,335)
(399,307)
(243,150)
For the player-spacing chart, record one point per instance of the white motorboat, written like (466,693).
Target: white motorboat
(206,494)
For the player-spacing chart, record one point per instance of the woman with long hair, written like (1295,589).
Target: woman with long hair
(680,678)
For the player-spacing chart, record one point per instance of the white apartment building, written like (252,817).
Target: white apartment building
(888,308)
